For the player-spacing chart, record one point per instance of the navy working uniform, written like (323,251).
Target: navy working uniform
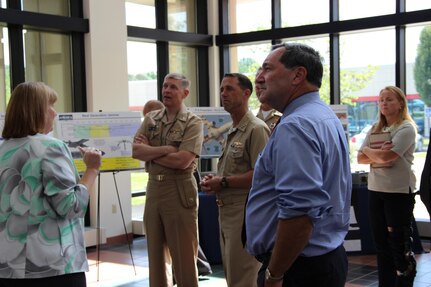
(170,215)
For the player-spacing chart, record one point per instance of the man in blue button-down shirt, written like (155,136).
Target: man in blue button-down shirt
(297,213)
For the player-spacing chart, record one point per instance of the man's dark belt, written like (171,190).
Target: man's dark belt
(263,257)
(165,177)
(266,256)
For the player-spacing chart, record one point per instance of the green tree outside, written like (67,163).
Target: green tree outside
(351,81)
(249,67)
(422,67)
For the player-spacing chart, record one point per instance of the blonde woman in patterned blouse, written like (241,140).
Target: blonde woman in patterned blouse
(42,197)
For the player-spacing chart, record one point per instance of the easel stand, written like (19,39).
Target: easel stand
(98,222)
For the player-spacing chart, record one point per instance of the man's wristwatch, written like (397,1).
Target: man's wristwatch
(270,278)
(224,183)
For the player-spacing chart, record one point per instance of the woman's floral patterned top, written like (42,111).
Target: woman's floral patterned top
(41,209)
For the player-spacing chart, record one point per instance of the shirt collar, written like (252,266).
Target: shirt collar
(244,121)
(181,116)
(300,101)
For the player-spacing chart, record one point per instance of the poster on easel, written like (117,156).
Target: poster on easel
(110,132)
(217,123)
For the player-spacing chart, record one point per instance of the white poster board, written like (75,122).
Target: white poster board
(111,132)
(341,112)
(217,123)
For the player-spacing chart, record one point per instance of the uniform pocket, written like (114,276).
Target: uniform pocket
(236,151)
(187,189)
(174,137)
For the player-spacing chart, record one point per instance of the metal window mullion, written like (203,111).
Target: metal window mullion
(334,69)
(79,85)
(16,50)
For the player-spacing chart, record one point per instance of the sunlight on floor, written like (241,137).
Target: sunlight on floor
(114,274)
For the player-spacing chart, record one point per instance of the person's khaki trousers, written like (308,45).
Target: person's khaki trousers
(171,232)
(240,267)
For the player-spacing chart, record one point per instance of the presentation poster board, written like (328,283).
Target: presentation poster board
(341,112)
(217,123)
(110,132)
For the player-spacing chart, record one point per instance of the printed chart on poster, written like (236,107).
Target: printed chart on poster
(341,112)
(110,132)
(217,123)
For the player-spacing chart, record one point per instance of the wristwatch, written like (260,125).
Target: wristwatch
(224,183)
(270,278)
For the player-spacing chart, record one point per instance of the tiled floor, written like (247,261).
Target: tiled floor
(115,268)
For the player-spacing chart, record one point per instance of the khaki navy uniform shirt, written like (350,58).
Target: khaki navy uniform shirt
(271,119)
(171,207)
(240,152)
(184,132)
(241,149)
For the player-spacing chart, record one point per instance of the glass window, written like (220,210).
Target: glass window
(350,9)
(141,13)
(142,73)
(292,12)
(55,7)
(246,59)
(413,34)
(182,15)
(48,59)
(367,64)
(413,5)
(4,69)
(418,61)
(142,70)
(182,60)
(249,15)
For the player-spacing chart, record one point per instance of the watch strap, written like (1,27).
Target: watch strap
(271,278)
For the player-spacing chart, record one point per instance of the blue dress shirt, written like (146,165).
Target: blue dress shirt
(303,170)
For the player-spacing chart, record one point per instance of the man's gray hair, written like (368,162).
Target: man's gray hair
(185,83)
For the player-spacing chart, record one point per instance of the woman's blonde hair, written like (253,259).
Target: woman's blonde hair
(404,112)
(26,112)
